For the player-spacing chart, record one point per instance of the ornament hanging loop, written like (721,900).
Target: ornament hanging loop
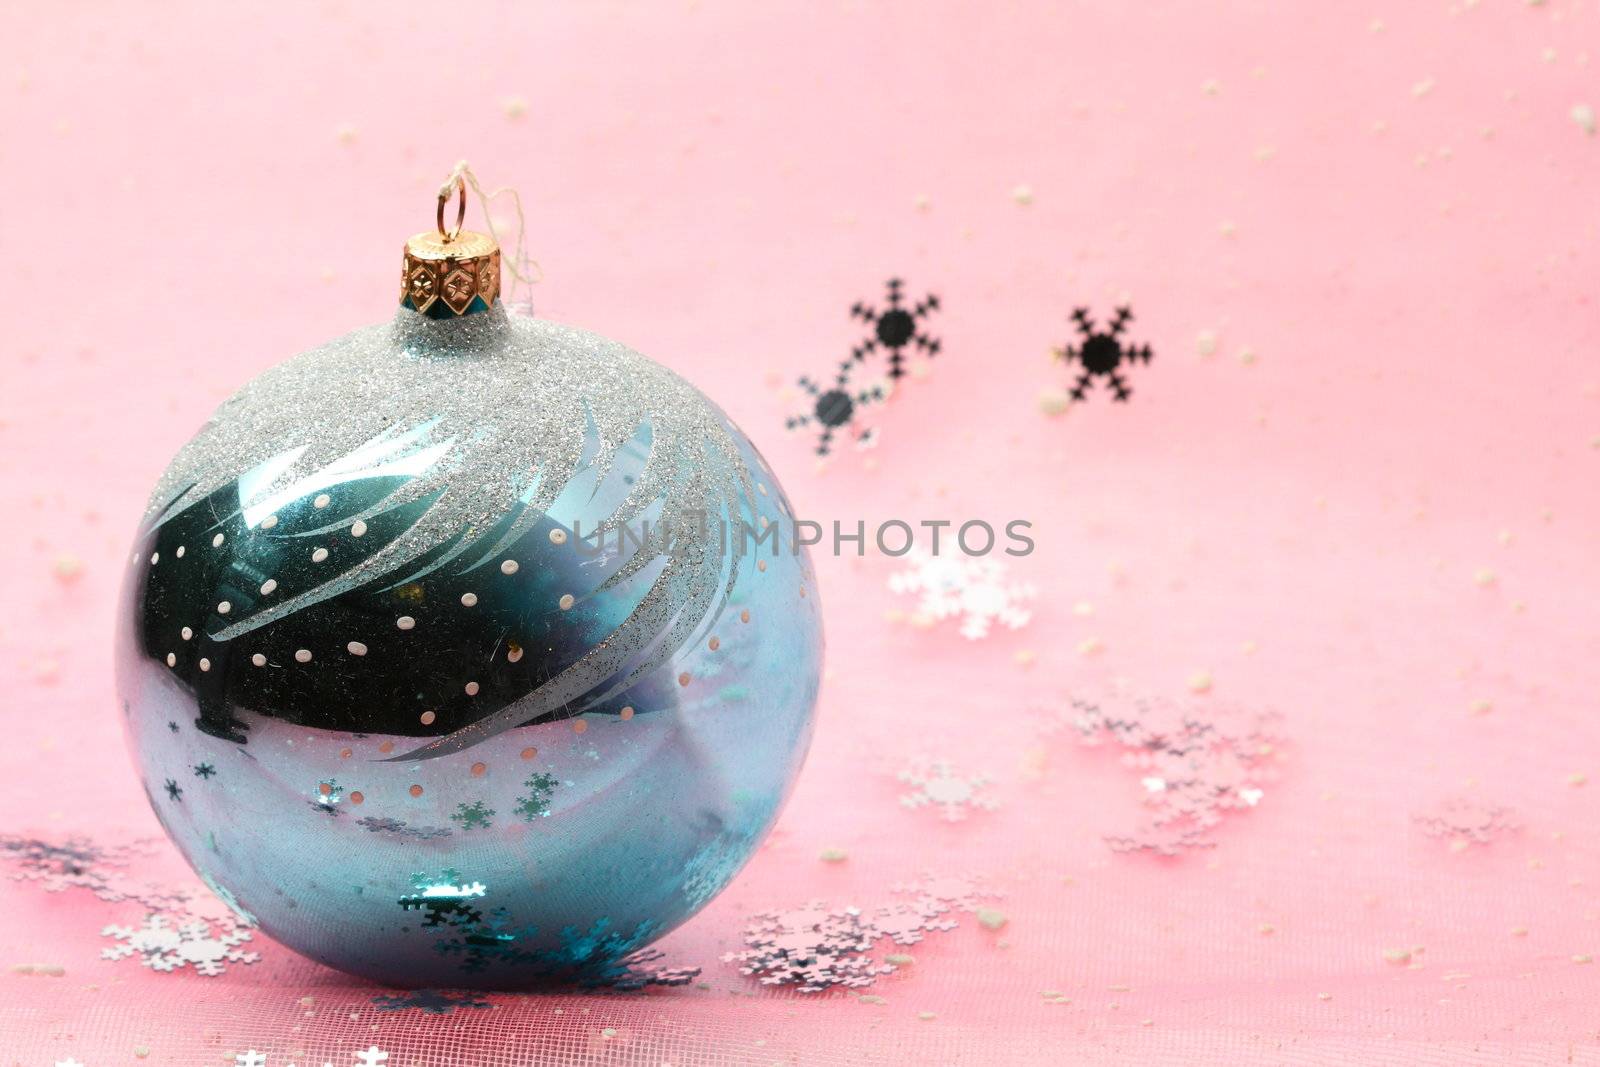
(461,208)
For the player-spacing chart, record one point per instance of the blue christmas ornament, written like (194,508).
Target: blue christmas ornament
(449,653)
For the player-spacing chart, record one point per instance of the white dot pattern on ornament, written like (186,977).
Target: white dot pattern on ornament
(522,400)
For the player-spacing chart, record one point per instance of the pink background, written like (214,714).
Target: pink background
(1389,205)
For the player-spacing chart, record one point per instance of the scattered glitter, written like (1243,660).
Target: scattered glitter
(973,589)
(938,786)
(1195,764)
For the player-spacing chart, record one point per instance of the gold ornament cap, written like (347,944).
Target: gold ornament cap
(454,272)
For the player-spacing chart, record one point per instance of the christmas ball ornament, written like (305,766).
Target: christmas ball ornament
(449,653)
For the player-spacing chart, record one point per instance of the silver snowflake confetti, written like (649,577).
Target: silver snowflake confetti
(79,863)
(163,946)
(1467,820)
(1196,764)
(816,948)
(975,590)
(937,785)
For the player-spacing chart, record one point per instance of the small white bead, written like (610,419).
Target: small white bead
(558,536)
(155,557)
(180,551)
(566,601)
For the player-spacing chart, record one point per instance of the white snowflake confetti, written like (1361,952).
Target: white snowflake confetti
(975,590)
(937,785)
(162,946)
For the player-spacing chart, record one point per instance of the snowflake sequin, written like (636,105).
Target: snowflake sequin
(937,785)
(474,816)
(79,863)
(1196,764)
(811,948)
(1467,820)
(815,948)
(535,804)
(164,946)
(972,589)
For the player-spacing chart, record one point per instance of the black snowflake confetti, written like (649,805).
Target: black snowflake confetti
(896,327)
(1102,354)
(836,408)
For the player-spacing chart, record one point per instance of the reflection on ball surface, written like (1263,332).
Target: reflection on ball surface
(397,701)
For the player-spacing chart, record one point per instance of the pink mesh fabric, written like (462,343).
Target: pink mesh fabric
(1355,486)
